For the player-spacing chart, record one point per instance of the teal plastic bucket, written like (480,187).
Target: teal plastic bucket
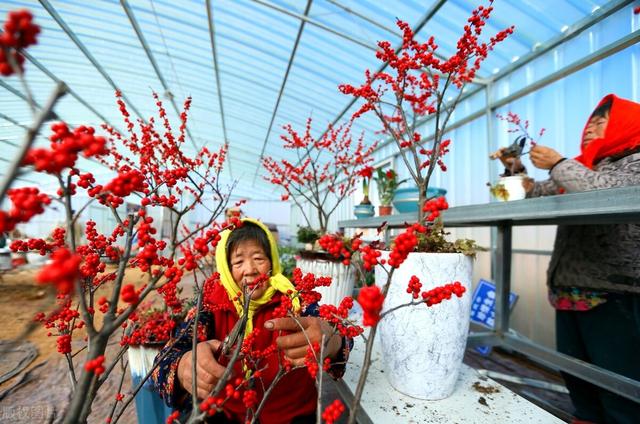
(405,200)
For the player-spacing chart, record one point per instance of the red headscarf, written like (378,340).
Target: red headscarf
(622,132)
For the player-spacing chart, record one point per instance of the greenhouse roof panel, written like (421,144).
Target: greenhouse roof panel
(255,84)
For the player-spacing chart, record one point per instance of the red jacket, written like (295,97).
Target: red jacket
(294,395)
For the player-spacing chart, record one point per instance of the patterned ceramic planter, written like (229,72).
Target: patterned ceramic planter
(423,347)
(363,211)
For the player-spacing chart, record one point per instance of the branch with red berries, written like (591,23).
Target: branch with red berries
(418,86)
(328,167)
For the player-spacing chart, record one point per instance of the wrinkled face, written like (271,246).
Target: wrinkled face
(595,129)
(248,261)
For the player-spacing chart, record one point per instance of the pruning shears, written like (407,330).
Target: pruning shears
(516,148)
(231,339)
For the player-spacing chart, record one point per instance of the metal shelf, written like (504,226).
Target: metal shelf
(615,205)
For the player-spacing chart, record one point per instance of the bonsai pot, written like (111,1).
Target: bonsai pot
(363,211)
(385,210)
(514,190)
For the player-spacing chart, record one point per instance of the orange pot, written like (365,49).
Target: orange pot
(384,210)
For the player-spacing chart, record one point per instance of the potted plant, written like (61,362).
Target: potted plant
(325,174)
(510,186)
(416,88)
(147,332)
(365,209)
(307,236)
(387,183)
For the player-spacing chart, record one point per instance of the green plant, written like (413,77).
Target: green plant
(435,240)
(499,191)
(387,182)
(287,259)
(307,235)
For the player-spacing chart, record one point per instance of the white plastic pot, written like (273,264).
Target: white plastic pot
(513,186)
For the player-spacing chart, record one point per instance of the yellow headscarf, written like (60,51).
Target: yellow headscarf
(277,281)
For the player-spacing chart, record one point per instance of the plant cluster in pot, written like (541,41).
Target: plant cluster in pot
(513,182)
(423,349)
(325,173)
(365,209)
(147,332)
(387,183)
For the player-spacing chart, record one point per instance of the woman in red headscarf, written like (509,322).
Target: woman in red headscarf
(594,273)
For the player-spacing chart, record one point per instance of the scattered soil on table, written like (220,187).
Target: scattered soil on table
(487,390)
(483,401)
(511,363)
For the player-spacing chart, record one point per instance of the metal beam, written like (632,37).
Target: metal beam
(154,64)
(216,69)
(305,19)
(75,95)
(282,86)
(377,24)
(13,121)
(54,14)
(26,180)
(616,383)
(9,142)
(572,32)
(365,18)
(17,93)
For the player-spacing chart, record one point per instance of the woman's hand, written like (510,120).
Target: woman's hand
(208,370)
(544,157)
(295,343)
(512,163)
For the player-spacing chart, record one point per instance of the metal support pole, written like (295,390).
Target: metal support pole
(503,278)
(608,380)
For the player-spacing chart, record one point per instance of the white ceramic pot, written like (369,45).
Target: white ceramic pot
(513,186)
(343,278)
(423,347)
(5,259)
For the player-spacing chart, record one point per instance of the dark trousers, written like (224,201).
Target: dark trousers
(607,336)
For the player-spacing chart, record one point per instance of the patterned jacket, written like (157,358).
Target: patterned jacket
(597,257)
(293,396)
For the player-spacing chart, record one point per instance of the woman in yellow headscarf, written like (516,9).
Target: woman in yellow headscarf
(247,254)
